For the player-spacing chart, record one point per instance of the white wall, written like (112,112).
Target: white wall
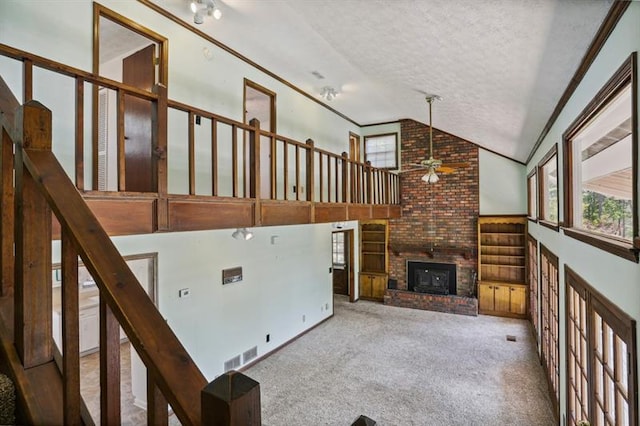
(283,281)
(503,186)
(615,278)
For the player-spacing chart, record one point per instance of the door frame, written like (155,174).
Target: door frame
(355,148)
(100,11)
(349,258)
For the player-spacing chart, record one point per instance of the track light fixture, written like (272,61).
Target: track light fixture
(328,93)
(242,234)
(200,8)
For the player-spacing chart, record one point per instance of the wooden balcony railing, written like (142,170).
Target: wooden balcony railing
(42,187)
(211,157)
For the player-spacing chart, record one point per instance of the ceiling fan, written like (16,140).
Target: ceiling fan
(431,165)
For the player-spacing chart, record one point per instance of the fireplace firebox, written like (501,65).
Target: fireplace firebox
(432,278)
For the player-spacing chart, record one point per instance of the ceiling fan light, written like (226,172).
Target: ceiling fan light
(194,7)
(217,13)
(198,18)
(433,177)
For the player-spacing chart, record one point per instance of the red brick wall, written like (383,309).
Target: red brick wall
(444,213)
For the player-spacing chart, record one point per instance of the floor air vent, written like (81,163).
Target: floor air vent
(232,364)
(250,354)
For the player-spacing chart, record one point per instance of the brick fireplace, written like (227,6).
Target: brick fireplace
(438,223)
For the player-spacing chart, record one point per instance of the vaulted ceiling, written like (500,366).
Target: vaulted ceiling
(500,65)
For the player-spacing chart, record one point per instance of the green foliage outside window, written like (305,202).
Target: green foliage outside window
(607,215)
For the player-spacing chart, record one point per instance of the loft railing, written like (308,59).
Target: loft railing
(229,159)
(43,187)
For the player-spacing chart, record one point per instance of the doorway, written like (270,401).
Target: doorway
(354,147)
(342,263)
(124,144)
(260,103)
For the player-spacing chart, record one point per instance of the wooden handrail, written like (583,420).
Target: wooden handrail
(178,377)
(359,186)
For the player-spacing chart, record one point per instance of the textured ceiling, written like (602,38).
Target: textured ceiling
(500,65)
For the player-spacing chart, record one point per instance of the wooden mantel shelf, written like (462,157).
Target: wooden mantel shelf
(430,249)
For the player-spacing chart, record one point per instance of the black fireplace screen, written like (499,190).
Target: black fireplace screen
(433,278)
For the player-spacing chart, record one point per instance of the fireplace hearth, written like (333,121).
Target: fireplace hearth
(431,278)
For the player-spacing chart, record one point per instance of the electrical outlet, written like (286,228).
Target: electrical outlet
(184,292)
(198,120)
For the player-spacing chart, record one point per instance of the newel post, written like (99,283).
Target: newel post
(32,316)
(7,261)
(232,399)
(254,169)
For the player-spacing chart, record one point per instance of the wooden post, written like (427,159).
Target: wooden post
(345,177)
(70,333)
(232,399)
(192,154)
(157,408)
(109,366)
(79,160)
(311,176)
(369,184)
(254,169)
(7,259)
(32,315)
(160,152)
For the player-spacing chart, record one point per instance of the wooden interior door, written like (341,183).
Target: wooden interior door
(138,70)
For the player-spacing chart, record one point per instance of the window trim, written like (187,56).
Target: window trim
(532,216)
(364,154)
(625,74)
(541,208)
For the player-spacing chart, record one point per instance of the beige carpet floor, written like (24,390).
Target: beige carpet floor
(405,367)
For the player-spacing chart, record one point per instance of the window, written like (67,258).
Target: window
(338,249)
(532,248)
(549,325)
(532,193)
(382,150)
(601,156)
(548,188)
(601,354)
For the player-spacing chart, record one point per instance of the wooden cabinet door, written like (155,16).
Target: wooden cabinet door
(501,298)
(378,284)
(485,297)
(518,300)
(365,285)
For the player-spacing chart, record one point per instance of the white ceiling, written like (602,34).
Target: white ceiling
(500,65)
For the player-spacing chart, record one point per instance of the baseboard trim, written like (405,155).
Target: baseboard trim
(287,343)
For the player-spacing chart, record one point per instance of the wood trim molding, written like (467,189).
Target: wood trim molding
(541,206)
(532,174)
(243,58)
(617,248)
(611,20)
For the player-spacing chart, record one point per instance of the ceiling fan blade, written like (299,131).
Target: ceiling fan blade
(413,168)
(451,167)
(457,165)
(445,170)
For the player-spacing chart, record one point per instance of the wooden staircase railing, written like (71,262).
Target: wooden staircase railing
(42,187)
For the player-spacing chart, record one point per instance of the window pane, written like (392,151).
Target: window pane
(381,151)
(532,192)
(550,188)
(603,169)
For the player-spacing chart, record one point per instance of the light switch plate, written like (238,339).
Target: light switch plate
(184,292)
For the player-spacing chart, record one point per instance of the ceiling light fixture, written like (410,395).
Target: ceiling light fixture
(328,93)
(242,234)
(200,8)
(431,163)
